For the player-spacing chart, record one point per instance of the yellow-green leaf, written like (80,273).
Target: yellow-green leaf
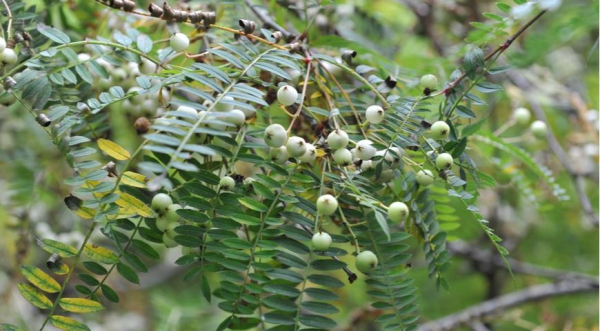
(133,205)
(40,279)
(113,149)
(53,246)
(134,179)
(100,254)
(34,296)
(85,213)
(80,305)
(67,323)
(60,268)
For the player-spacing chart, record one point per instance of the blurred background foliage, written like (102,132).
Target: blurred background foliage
(404,38)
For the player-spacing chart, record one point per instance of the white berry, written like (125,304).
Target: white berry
(327,204)
(236,116)
(225,104)
(170,243)
(279,155)
(398,211)
(287,95)
(342,157)
(337,139)
(365,150)
(179,42)
(444,161)
(522,116)
(275,135)
(375,114)
(296,146)
(8,56)
(539,129)
(425,177)
(171,215)
(310,155)
(2,44)
(366,165)
(160,202)
(440,130)
(191,114)
(147,67)
(227,183)
(321,241)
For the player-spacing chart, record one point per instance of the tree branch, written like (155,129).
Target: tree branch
(496,306)
(485,260)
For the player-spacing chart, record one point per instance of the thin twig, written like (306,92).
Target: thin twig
(10,19)
(500,49)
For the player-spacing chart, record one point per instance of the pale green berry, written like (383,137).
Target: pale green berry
(225,104)
(425,177)
(310,155)
(337,139)
(169,242)
(539,129)
(440,130)
(170,231)
(342,157)
(366,261)
(275,135)
(227,183)
(522,116)
(327,204)
(162,223)
(179,42)
(444,161)
(296,146)
(160,202)
(279,155)
(8,56)
(398,211)
(171,214)
(429,82)
(147,67)
(321,241)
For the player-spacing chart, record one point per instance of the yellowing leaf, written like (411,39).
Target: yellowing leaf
(67,323)
(129,202)
(100,254)
(60,268)
(85,213)
(80,305)
(53,246)
(113,149)
(40,279)
(134,179)
(34,296)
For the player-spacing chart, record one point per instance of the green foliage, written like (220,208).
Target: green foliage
(247,248)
